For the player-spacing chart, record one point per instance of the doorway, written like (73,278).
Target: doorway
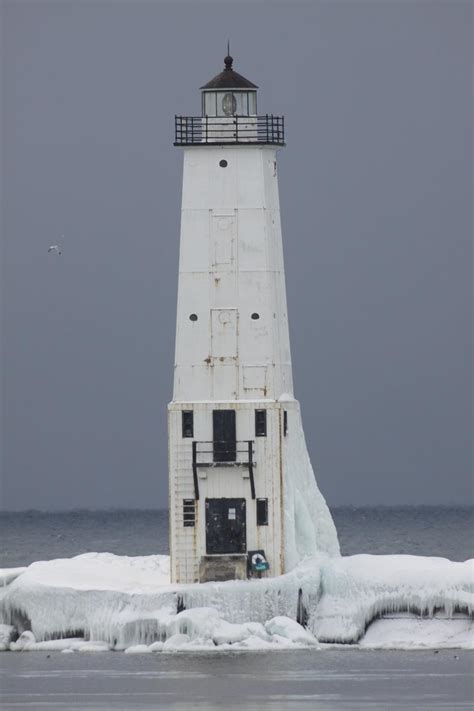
(225,526)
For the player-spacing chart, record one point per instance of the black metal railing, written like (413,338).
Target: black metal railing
(223,454)
(202,130)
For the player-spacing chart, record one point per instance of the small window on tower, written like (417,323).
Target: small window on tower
(262,512)
(285,423)
(187,423)
(260,423)
(189,512)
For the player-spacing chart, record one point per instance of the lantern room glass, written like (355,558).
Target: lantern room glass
(229,103)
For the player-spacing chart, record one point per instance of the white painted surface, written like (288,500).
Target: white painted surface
(231,260)
(230,268)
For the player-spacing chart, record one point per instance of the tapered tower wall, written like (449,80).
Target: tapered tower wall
(231,278)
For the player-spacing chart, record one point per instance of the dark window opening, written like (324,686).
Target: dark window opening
(189,512)
(260,423)
(223,163)
(255,316)
(285,422)
(224,436)
(193,317)
(262,512)
(187,423)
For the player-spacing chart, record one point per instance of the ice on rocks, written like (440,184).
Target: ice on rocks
(7,635)
(25,640)
(407,631)
(176,641)
(97,602)
(360,588)
(100,596)
(28,644)
(289,629)
(139,649)
(94,647)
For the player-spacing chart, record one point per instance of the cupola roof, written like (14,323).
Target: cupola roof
(228,79)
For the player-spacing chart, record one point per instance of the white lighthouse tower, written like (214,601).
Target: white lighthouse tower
(243,498)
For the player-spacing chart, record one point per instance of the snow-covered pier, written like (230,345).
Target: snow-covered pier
(99,601)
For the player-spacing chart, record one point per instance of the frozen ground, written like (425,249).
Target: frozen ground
(100,601)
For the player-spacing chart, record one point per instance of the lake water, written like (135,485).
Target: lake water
(330,679)
(420,530)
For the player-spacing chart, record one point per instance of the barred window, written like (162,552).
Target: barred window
(189,512)
(260,423)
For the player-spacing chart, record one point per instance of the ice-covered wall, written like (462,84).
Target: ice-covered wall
(308,526)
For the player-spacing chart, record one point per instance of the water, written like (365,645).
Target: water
(419,530)
(327,680)
(332,680)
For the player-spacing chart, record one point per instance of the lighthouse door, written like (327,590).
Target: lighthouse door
(225,526)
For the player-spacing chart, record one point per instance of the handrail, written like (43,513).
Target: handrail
(203,130)
(247,447)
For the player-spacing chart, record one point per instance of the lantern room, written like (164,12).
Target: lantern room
(229,94)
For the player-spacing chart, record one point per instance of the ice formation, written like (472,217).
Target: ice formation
(99,601)
(410,631)
(308,525)
(360,588)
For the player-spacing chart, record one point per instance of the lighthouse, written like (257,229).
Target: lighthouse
(243,497)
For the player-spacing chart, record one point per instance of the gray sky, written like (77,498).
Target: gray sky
(375,187)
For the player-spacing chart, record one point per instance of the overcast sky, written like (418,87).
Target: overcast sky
(375,187)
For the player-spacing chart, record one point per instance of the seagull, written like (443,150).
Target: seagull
(54,248)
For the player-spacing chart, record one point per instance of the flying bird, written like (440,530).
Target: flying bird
(54,248)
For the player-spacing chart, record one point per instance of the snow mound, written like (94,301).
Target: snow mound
(98,601)
(104,571)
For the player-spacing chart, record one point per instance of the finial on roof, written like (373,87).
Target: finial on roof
(228,60)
